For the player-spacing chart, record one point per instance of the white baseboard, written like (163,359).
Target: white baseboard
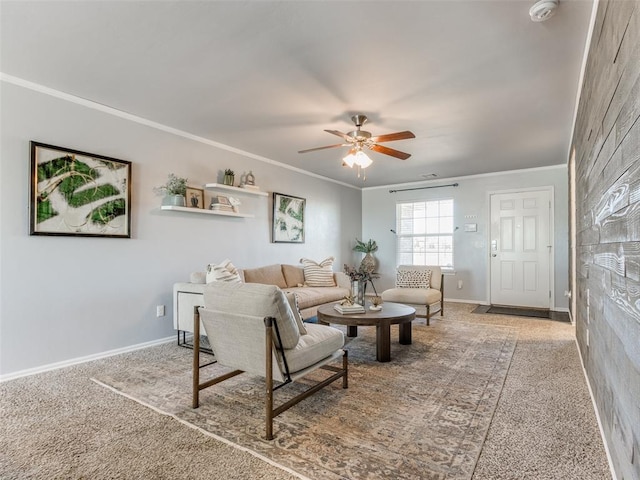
(595,409)
(461,300)
(88,358)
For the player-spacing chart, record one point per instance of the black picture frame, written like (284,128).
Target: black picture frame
(80,194)
(288,219)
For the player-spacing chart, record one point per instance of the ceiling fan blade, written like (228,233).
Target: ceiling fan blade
(322,148)
(390,137)
(340,134)
(389,151)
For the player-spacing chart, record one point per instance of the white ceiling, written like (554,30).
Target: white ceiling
(483,87)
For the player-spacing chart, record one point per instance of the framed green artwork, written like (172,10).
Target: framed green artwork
(288,218)
(78,193)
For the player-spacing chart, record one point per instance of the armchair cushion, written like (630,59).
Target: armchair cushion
(255,299)
(418,296)
(319,342)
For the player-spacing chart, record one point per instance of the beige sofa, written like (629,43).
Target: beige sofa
(290,278)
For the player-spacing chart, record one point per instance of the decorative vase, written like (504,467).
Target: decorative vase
(228,180)
(174,200)
(358,288)
(368,263)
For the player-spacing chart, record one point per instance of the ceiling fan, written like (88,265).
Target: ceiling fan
(359,139)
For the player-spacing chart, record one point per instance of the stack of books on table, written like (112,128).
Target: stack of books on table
(355,308)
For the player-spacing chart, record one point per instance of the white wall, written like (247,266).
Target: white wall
(471,253)
(63,298)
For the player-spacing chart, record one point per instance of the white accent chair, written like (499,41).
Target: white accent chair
(252,328)
(431,299)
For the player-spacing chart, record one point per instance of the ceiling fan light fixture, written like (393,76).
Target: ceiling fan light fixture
(362,160)
(350,159)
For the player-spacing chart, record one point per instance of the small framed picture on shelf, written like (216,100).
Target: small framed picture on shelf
(195,197)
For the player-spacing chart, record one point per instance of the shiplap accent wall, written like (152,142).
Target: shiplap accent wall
(607,155)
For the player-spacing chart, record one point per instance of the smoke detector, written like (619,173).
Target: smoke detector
(543,10)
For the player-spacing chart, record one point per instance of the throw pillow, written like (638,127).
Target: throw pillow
(292,298)
(412,278)
(293,275)
(318,274)
(225,271)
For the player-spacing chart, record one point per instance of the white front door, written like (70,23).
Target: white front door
(520,249)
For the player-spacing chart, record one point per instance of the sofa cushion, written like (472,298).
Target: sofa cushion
(225,271)
(293,303)
(320,342)
(257,300)
(413,278)
(269,275)
(293,276)
(313,296)
(318,274)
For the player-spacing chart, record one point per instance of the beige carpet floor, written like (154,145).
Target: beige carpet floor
(61,425)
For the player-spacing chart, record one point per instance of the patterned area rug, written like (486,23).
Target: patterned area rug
(424,415)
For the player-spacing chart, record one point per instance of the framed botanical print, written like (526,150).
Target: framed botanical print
(288,218)
(78,193)
(195,197)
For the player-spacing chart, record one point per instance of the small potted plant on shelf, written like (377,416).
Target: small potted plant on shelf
(173,192)
(229,177)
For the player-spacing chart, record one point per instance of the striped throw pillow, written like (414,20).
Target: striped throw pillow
(318,274)
(225,271)
(410,278)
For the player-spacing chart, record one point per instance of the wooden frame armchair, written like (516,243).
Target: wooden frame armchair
(253,344)
(431,298)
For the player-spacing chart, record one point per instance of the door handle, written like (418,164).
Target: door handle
(493,255)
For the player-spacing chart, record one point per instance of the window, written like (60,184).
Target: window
(425,233)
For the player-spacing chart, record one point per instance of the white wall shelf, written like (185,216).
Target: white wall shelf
(204,211)
(219,186)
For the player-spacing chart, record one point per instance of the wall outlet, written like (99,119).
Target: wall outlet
(160,311)
(459,284)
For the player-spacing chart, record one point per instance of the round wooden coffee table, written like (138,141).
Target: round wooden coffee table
(391,314)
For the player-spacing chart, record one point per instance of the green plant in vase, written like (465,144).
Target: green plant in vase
(368,263)
(229,177)
(173,191)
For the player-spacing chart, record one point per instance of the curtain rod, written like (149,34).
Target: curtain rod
(422,188)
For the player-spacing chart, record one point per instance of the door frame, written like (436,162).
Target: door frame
(552,237)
